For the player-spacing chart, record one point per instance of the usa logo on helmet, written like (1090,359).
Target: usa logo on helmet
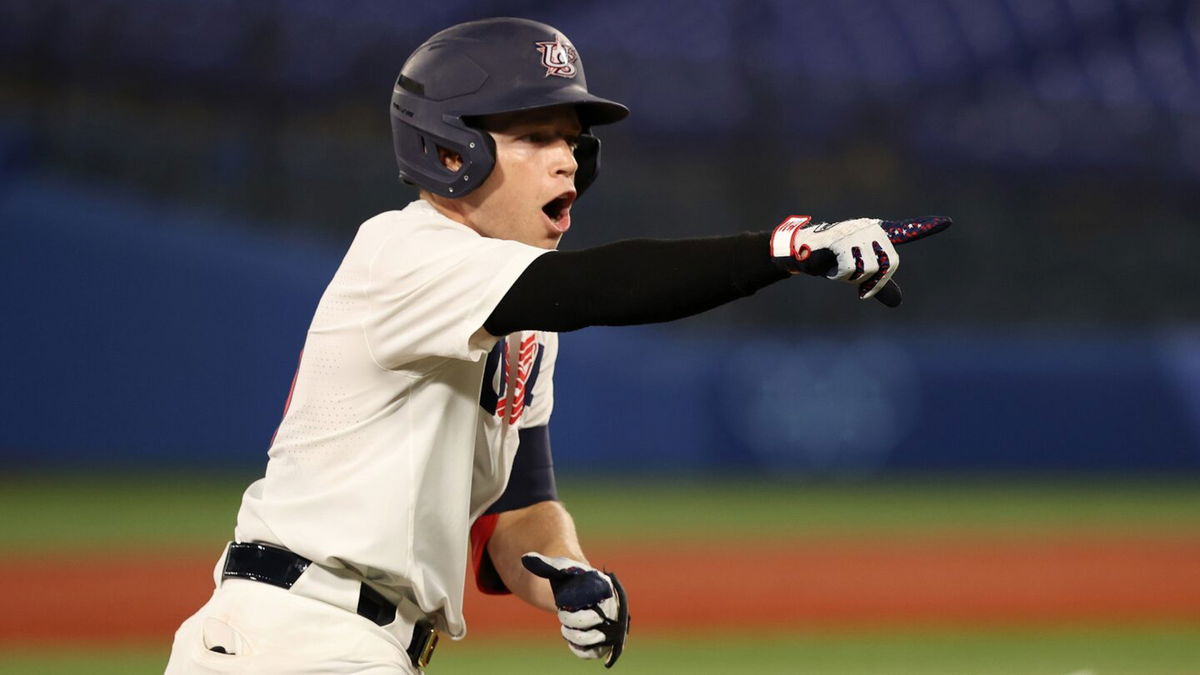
(558,57)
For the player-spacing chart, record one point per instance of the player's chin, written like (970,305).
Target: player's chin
(549,242)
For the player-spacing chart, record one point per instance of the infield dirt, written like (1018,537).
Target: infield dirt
(678,587)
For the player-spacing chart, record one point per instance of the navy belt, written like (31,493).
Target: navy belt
(280,567)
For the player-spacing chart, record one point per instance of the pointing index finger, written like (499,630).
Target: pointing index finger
(912,229)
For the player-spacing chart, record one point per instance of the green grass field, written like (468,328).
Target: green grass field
(45,514)
(1129,651)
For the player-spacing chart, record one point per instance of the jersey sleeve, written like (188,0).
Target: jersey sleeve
(429,291)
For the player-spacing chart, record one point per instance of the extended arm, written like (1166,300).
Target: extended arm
(648,280)
(635,281)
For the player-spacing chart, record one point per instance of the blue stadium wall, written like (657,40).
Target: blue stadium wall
(138,336)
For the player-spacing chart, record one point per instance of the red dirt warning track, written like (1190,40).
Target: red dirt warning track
(680,587)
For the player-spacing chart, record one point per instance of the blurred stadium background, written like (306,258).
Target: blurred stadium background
(179,180)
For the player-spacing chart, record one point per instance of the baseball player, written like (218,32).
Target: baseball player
(415,437)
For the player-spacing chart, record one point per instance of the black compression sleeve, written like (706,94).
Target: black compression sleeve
(532,477)
(634,281)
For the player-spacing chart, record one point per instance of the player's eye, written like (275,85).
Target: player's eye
(546,138)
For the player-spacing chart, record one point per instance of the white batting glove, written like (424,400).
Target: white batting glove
(859,251)
(592,607)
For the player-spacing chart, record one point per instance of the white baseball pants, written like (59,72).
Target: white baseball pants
(268,630)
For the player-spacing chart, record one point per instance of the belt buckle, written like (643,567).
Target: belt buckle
(431,640)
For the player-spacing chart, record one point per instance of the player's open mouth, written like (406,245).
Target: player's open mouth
(558,210)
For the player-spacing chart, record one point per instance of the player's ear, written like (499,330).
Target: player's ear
(450,159)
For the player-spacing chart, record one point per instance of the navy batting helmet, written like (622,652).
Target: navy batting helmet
(484,68)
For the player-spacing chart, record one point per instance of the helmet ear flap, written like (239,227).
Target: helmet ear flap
(417,152)
(478,153)
(587,156)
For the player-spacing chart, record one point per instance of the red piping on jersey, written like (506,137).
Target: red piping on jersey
(487,580)
(291,390)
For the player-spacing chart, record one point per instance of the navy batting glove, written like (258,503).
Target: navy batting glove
(592,606)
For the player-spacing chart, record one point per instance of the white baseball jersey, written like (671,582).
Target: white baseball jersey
(393,442)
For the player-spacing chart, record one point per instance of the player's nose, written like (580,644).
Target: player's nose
(564,162)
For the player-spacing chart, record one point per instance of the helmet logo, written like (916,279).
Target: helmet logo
(558,57)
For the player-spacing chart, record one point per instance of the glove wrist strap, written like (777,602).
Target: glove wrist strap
(785,250)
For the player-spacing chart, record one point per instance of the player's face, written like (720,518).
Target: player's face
(528,195)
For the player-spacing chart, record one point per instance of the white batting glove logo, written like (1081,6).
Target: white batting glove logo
(592,607)
(862,254)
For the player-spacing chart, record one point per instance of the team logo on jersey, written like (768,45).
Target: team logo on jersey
(558,57)
(509,377)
